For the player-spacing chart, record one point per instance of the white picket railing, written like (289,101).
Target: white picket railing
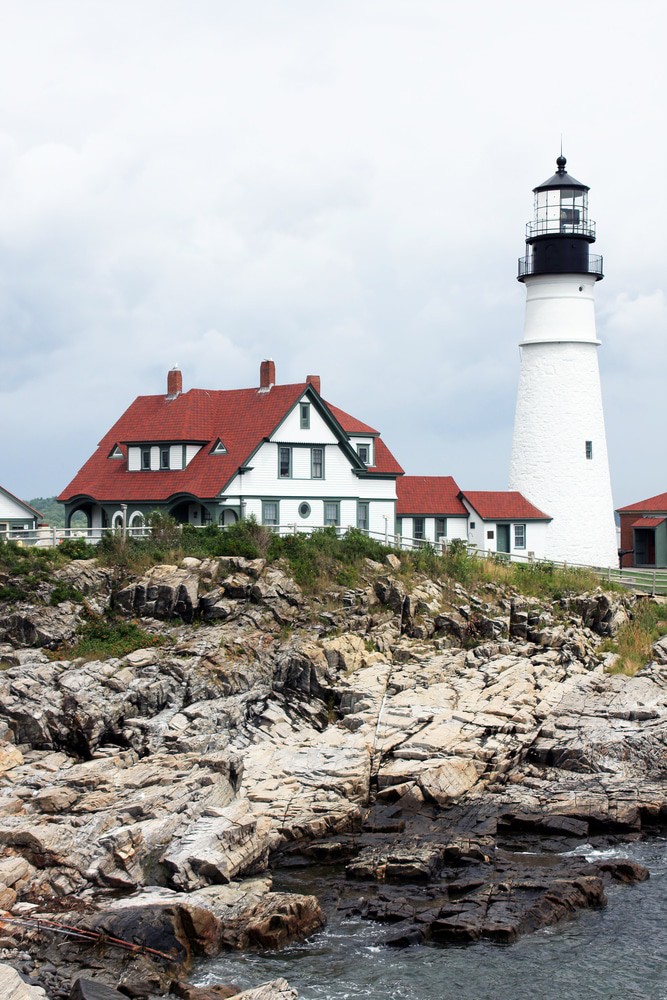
(648,579)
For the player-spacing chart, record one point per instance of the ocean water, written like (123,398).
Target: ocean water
(617,953)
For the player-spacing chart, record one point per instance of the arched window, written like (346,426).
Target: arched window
(137,523)
(227,517)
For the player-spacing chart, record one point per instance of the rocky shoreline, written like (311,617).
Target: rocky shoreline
(414,737)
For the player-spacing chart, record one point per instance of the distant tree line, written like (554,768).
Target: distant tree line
(52,511)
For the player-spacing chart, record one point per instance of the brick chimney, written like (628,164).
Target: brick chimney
(174,382)
(315,382)
(267,374)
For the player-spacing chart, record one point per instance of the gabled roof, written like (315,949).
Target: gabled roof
(656,504)
(428,495)
(22,503)
(507,505)
(648,522)
(242,418)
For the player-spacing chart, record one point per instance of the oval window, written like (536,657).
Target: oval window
(304,509)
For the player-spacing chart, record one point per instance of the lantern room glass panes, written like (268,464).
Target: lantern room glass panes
(561,210)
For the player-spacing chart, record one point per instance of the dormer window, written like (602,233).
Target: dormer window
(364,453)
(116,452)
(160,457)
(218,448)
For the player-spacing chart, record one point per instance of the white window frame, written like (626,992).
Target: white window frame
(266,504)
(312,462)
(284,449)
(367,449)
(327,521)
(519,529)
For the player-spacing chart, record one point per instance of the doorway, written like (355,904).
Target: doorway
(644,547)
(503,538)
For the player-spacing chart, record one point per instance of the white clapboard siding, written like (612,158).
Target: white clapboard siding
(290,430)
(339,479)
(10,508)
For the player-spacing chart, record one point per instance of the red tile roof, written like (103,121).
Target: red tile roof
(499,506)
(385,463)
(657,504)
(241,418)
(350,424)
(648,522)
(424,495)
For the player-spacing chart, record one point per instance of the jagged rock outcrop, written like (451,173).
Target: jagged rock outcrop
(35,625)
(408,731)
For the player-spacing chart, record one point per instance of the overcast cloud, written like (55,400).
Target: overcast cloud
(341,186)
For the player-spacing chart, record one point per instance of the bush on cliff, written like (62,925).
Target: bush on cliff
(25,567)
(634,639)
(322,558)
(101,638)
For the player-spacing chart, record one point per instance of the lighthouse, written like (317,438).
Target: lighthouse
(559,449)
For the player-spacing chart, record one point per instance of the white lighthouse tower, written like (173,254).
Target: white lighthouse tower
(559,450)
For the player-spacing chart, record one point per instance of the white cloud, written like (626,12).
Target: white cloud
(340,186)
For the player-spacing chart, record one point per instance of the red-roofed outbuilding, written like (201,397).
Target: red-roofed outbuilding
(644,532)
(506,522)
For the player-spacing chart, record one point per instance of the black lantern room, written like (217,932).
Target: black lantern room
(559,237)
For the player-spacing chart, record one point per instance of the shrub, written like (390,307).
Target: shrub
(28,564)
(65,592)
(165,529)
(101,638)
(77,548)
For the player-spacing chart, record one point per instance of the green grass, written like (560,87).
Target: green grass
(102,638)
(533,579)
(65,592)
(322,559)
(316,561)
(635,638)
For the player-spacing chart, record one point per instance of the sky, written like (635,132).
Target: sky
(340,185)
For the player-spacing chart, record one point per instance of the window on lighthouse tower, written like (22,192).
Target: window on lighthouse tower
(560,210)
(589,449)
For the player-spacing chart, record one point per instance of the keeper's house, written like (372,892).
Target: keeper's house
(278,452)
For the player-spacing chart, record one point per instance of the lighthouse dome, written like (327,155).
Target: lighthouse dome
(561,179)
